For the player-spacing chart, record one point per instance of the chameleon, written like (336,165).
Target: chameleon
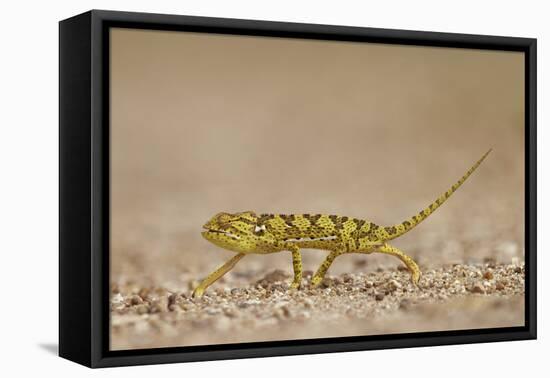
(249,233)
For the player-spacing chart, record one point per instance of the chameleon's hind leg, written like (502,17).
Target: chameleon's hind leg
(217,274)
(320,274)
(407,260)
(297,265)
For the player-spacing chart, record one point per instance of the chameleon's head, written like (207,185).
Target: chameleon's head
(236,232)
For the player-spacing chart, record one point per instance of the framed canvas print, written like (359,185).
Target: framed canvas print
(235,188)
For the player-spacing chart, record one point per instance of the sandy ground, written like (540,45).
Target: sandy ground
(202,124)
(449,298)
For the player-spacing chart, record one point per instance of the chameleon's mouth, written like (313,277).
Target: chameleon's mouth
(222,232)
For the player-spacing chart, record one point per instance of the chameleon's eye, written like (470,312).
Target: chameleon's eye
(259,229)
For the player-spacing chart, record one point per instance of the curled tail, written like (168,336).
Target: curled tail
(401,228)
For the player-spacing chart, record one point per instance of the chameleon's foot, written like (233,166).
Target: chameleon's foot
(216,275)
(316,281)
(415,277)
(407,260)
(198,292)
(295,285)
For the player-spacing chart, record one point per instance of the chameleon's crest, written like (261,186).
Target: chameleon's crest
(236,232)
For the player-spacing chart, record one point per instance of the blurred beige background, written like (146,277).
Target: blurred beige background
(208,123)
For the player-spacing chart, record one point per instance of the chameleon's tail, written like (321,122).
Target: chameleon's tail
(401,228)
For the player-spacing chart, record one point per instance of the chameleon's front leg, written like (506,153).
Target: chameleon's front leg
(217,274)
(297,264)
(320,274)
(407,260)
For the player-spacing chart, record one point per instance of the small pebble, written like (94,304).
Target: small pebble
(144,292)
(405,304)
(229,312)
(213,311)
(478,288)
(394,285)
(142,309)
(327,282)
(347,278)
(117,298)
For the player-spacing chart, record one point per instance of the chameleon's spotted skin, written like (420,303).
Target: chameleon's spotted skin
(248,233)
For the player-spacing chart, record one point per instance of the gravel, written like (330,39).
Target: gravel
(456,296)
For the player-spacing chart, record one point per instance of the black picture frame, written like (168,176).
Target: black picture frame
(84,187)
